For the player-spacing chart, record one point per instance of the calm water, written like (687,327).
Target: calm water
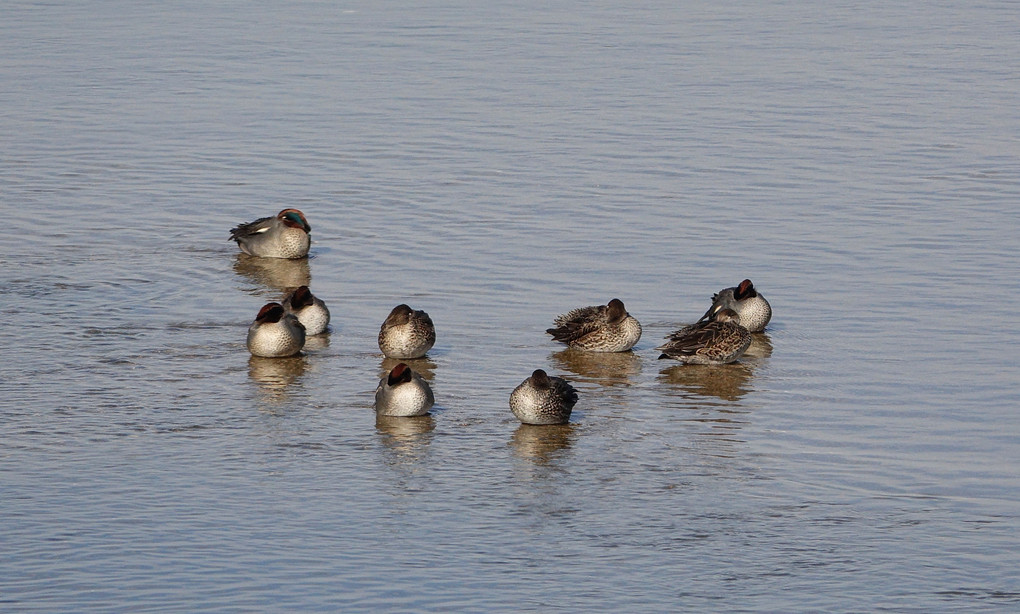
(496,166)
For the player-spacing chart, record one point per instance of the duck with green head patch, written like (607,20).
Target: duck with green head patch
(286,235)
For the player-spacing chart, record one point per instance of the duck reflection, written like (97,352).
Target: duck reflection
(280,274)
(727,382)
(422,366)
(407,438)
(540,444)
(275,375)
(608,369)
(317,343)
(761,346)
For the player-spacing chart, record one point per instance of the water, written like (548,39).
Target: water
(496,166)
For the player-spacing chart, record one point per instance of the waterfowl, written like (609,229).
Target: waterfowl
(751,307)
(402,392)
(603,328)
(283,236)
(310,310)
(717,341)
(275,333)
(406,333)
(542,399)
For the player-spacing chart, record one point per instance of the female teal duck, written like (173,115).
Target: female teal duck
(402,392)
(603,328)
(283,236)
(752,308)
(717,341)
(310,310)
(406,333)
(542,399)
(275,333)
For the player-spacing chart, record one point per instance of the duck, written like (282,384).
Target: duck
(543,399)
(402,392)
(602,328)
(406,333)
(310,310)
(719,340)
(286,235)
(275,333)
(754,311)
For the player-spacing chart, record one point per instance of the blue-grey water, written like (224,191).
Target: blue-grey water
(496,165)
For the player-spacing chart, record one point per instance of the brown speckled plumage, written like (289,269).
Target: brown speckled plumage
(602,328)
(543,399)
(716,341)
(406,333)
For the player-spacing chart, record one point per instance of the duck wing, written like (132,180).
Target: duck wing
(690,340)
(577,323)
(251,228)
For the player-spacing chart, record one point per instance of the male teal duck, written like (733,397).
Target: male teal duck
(275,333)
(310,310)
(283,236)
(754,311)
(402,392)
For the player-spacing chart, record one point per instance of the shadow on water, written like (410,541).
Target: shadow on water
(608,369)
(280,274)
(541,444)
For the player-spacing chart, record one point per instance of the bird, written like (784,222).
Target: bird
(406,333)
(717,341)
(542,399)
(752,308)
(283,236)
(402,392)
(310,310)
(275,333)
(602,328)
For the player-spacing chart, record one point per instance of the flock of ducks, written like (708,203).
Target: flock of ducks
(721,335)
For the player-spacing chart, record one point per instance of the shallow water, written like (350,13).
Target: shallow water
(497,166)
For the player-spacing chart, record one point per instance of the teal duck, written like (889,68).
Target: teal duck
(275,333)
(402,392)
(285,235)
(717,341)
(542,399)
(602,328)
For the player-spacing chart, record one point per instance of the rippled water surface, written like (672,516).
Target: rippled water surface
(497,165)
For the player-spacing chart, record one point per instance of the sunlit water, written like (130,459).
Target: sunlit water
(496,166)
